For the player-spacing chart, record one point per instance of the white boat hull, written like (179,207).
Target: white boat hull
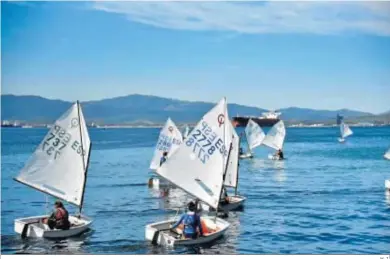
(165,238)
(38,229)
(387,185)
(273,157)
(247,155)
(387,156)
(235,202)
(341,140)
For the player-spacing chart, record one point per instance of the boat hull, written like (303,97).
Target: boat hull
(245,156)
(236,202)
(262,122)
(341,140)
(387,156)
(387,185)
(38,229)
(164,238)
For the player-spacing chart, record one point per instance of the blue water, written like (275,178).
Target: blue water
(325,198)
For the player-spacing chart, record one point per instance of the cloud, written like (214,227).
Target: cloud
(258,17)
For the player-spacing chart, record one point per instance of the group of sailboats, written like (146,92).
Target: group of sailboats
(204,164)
(255,137)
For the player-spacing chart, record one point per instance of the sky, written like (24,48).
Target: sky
(320,55)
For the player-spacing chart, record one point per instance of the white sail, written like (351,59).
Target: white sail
(254,134)
(198,165)
(345,131)
(387,154)
(232,166)
(58,165)
(186,131)
(169,141)
(275,137)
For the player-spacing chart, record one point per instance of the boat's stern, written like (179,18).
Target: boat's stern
(152,229)
(34,228)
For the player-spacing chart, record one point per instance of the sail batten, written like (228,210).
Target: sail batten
(198,165)
(275,137)
(58,165)
(169,141)
(254,134)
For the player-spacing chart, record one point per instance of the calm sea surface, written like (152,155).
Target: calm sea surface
(325,198)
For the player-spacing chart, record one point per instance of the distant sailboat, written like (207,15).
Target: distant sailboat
(275,138)
(198,167)
(387,154)
(58,167)
(345,131)
(254,136)
(169,141)
(186,131)
(231,177)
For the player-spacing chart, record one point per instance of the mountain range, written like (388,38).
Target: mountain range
(143,109)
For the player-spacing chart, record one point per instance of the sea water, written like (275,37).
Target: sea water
(326,197)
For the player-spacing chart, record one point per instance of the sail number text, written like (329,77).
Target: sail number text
(205,142)
(165,142)
(56,140)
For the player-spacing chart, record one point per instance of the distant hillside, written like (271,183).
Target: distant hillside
(141,108)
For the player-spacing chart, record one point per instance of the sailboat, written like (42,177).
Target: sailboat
(387,154)
(345,131)
(169,141)
(275,138)
(254,136)
(186,131)
(231,178)
(198,167)
(58,168)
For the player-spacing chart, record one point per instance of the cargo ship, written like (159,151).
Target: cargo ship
(268,119)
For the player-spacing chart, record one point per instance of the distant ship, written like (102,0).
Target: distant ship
(268,119)
(7,124)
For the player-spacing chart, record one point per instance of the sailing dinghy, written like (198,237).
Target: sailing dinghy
(186,132)
(198,167)
(235,201)
(275,138)
(345,131)
(387,154)
(58,167)
(169,141)
(254,136)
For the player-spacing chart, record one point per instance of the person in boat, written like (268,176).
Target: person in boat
(191,221)
(279,154)
(59,219)
(163,158)
(225,197)
(241,151)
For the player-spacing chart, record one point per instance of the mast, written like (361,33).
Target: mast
(238,165)
(82,158)
(224,166)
